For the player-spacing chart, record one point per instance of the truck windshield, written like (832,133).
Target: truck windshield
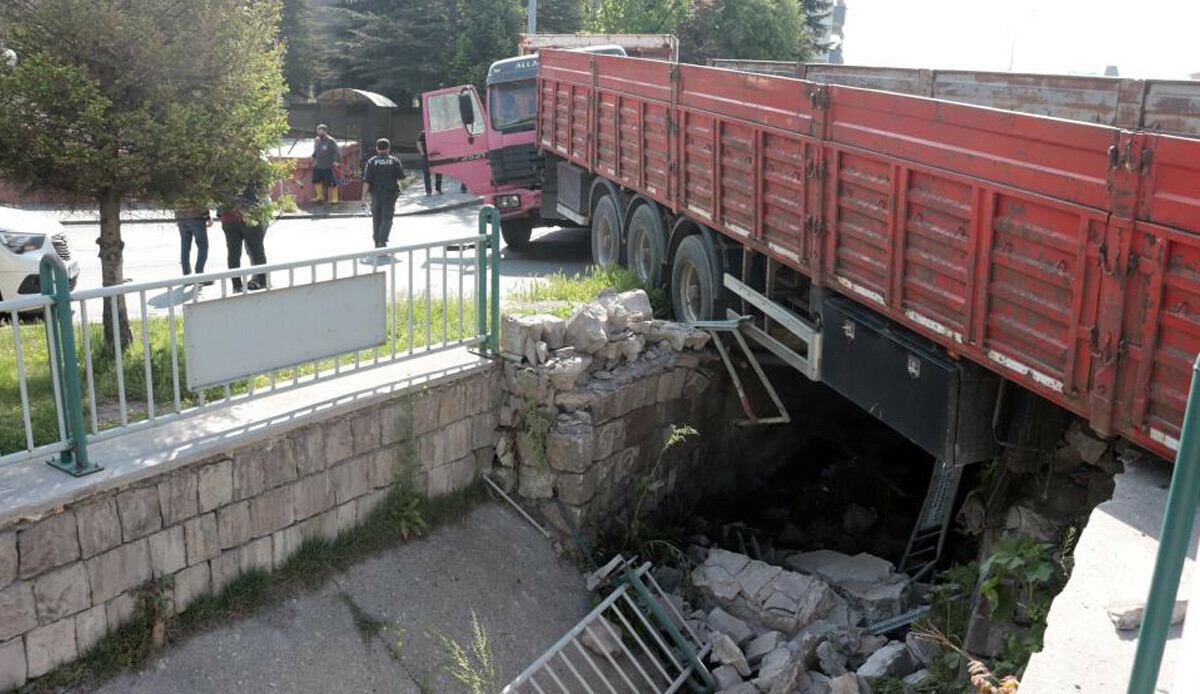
(513,105)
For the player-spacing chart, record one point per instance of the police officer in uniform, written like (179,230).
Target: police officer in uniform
(381,181)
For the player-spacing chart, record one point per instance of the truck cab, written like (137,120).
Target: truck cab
(489,145)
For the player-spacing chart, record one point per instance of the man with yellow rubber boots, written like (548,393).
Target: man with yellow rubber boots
(326,153)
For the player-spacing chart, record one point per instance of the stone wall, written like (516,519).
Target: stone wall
(589,405)
(70,576)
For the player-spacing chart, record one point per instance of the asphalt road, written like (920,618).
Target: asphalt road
(152,254)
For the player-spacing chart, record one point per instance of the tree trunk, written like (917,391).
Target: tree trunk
(112,266)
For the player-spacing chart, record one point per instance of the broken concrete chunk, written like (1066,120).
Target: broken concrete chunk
(726,677)
(674,334)
(516,330)
(743,688)
(922,650)
(754,576)
(1089,447)
(636,302)
(890,661)
(762,645)
(586,328)
(716,582)
(734,628)
(565,373)
(732,562)
(726,652)
(599,638)
(1022,520)
(830,660)
(876,601)
(780,671)
(1129,616)
(838,568)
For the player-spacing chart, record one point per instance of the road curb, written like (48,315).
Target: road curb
(332,215)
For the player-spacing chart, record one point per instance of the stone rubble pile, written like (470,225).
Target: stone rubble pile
(800,628)
(589,400)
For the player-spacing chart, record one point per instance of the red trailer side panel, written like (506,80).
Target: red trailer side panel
(1053,252)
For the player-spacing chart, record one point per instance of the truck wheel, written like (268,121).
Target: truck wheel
(695,281)
(606,233)
(646,251)
(516,233)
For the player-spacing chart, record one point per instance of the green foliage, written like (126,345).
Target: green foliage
(747,29)
(950,601)
(473,666)
(398,48)
(651,483)
(1018,568)
(170,101)
(306,62)
(559,293)
(638,16)
(487,31)
(559,16)
(815,12)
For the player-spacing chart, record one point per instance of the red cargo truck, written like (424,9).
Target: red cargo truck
(918,255)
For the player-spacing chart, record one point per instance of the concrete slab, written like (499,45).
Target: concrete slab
(31,488)
(491,562)
(1114,561)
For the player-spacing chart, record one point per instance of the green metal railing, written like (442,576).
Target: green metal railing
(56,282)
(1182,501)
(487,275)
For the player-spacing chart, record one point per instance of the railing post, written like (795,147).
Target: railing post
(494,333)
(487,261)
(55,282)
(1182,500)
(701,680)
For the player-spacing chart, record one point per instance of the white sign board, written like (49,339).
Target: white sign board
(251,334)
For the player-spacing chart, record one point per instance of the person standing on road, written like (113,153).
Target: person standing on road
(423,149)
(193,223)
(381,181)
(242,225)
(326,153)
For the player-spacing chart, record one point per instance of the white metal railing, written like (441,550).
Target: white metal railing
(119,394)
(638,643)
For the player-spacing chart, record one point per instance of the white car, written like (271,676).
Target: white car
(24,238)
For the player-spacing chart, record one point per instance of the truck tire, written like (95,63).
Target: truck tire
(516,233)
(646,247)
(606,233)
(695,280)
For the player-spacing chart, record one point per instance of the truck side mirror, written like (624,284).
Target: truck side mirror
(466,109)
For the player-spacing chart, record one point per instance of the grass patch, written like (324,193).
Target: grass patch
(443,321)
(131,646)
(559,294)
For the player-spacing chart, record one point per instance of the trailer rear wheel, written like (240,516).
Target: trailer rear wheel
(516,233)
(646,250)
(694,280)
(606,233)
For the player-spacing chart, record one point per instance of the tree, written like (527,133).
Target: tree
(398,48)
(166,100)
(559,16)
(305,65)
(815,14)
(746,29)
(488,30)
(638,16)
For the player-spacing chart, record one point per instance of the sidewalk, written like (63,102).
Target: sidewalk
(412,202)
(490,562)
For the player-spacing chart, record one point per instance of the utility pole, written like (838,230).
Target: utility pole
(531,18)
